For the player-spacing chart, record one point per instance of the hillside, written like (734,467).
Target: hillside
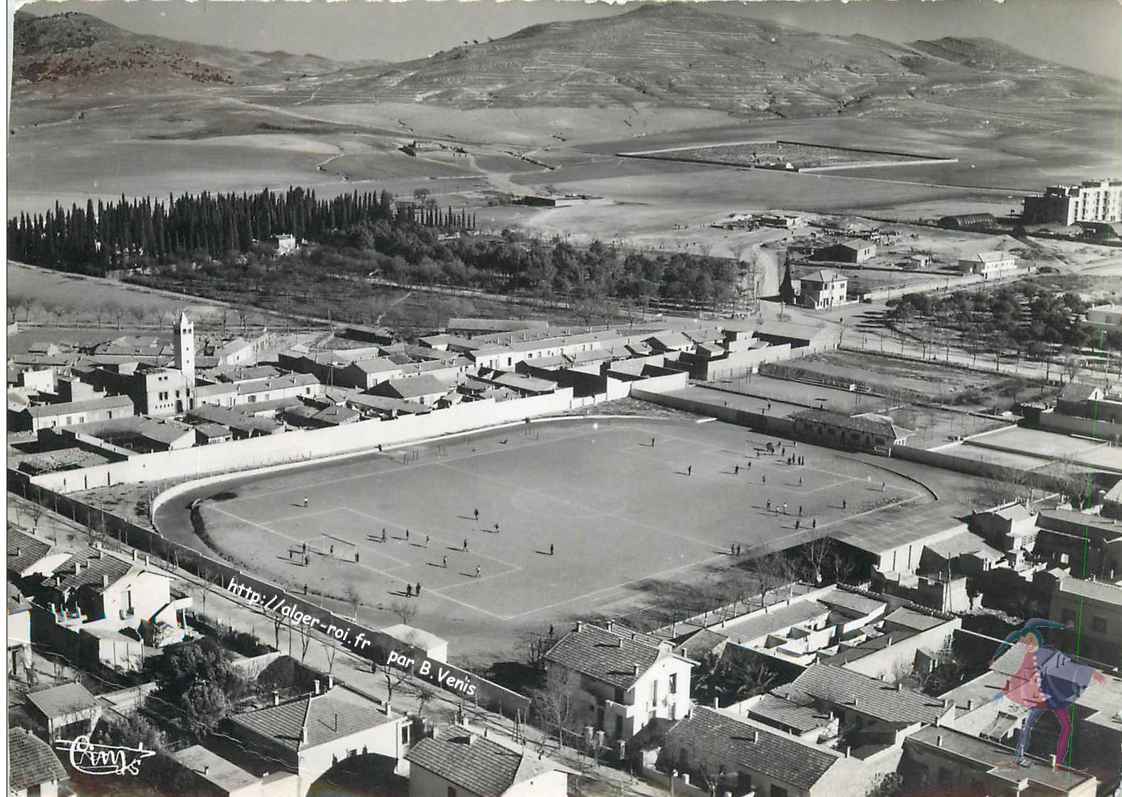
(74,48)
(685,55)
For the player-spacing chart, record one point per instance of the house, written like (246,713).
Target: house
(1008,528)
(240,424)
(472,327)
(29,555)
(19,632)
(434,647)
(669,341)
(154,390)
(285,243)
(1105,316)
(33,768)
(289,386)
(823,289)
(523,384)
(65,711)
(365,374)
(133,435)
(423,389)
(872,713)
(853,250)
(384,407)
(1095,607)
(212,775)
(238,351)
(866,432)
(943,761)
(53,416)
(103,608)
(990,265)
(1091,542)
(460,763)
(725,754)
(620,680)
(209,433)
(310,734)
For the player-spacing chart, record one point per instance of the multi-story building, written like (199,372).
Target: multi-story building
(1094,610)
(822,289)
(1094,200)
(619,680)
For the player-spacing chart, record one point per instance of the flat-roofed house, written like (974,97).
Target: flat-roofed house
(990,265)
(1095,607)
(944,761)
(53,416)
(853,250)
(212,775)
(620,680)
(867,432)
(458,762)
(67,710)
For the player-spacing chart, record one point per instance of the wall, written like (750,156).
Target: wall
(988,470)
(886,661)
(423,783)
(548,784)
(739,362)
(305,445)
(661,384)
(383,740)
(1102,430)
(764,423)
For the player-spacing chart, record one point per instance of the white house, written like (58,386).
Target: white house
(33,767)
(460,763)
(990,265)
(620,679)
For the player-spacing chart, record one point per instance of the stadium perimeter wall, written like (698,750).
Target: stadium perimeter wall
(740,362)
(986,470)
(753,420)
(1089,427)
(305,445)
(361,641)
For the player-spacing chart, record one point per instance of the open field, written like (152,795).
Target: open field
(793,155)
(62,300)
(598,492)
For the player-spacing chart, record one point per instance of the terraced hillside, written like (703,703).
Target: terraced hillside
(688,56)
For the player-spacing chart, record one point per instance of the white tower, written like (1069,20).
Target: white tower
(185,351)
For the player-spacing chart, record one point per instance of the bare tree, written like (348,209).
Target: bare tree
(354,600)
(841,563)
(305,634)
(330,651)
(425,695)
(394,678)
(815,553)
(555,708)
(405,610)
(536,646)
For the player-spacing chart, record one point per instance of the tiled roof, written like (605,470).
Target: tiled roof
(856,423)
(600,654)
(861,693)
(744,745)
(24,550)
(784,714)
(276,383)
(413,387)
(851,602)
(95,564)
(31,761)
(824,276)
(477,765)
(60,701)
(701,643)
(327,717)
(75,407)
(375,366)
(523,382)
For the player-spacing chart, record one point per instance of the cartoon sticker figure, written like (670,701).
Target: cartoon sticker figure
(1046,681)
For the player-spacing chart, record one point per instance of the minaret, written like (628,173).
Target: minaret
(185,351)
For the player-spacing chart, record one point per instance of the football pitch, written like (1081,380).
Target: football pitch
(571,516)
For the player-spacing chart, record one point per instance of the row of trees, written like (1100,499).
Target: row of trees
(94,239)
(1021,316)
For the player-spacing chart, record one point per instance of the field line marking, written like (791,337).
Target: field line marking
(435,537)
(620,585)
(384,573)
(480,580)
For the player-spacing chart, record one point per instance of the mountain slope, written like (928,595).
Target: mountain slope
(686,55)
(75,48)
